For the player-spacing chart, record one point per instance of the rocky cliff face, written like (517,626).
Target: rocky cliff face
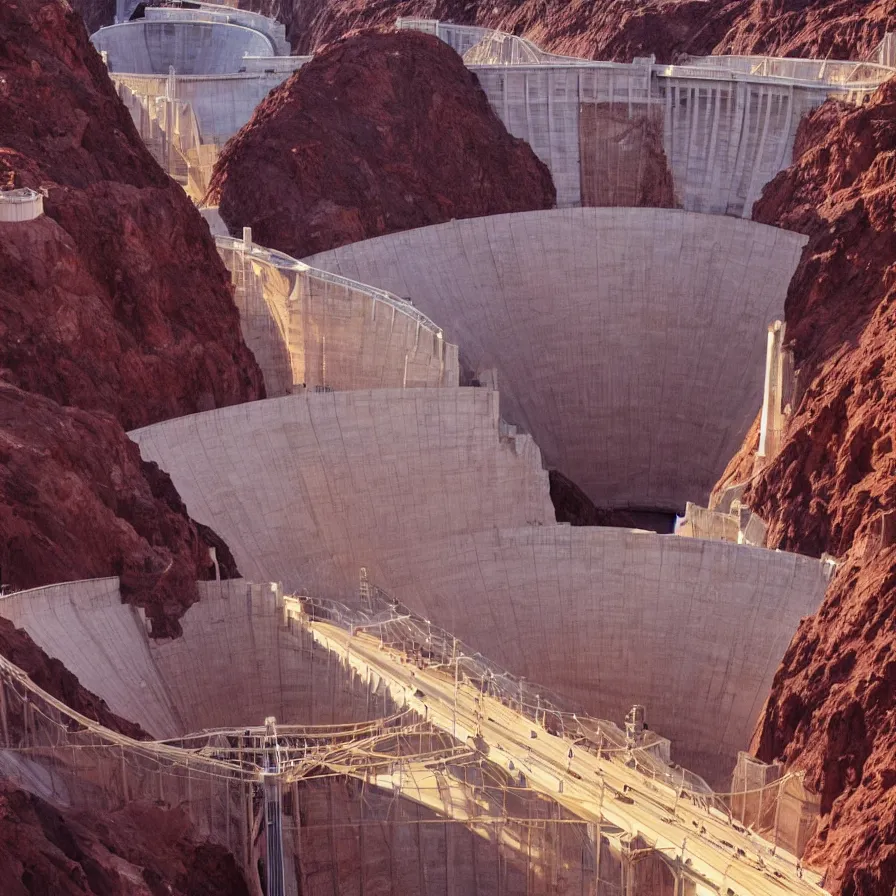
(115,311)
(141,850)
(832,488)
(96,13)
(379,133)
(117,300)
(617,29)
(77,501)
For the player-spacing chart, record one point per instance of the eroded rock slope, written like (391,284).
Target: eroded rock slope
(140,850)
(379,133)
(832,488)
(115,312)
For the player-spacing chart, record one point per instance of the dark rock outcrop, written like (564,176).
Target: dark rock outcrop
(832,487)
(379,133)
(51,676)
(77,502)
(116,300)
(573,506)
(140,850)
(96,13)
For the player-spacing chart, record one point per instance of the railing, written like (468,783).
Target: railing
(285,262)
(821,71)
(432,647)
(776,805)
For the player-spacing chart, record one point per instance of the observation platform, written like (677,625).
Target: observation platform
(20,205)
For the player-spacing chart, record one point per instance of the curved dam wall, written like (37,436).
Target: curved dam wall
(221,104)
(607,618)
(310,329)
(724,125)
(629,342)
(238,660)
(307,489)
(191,47)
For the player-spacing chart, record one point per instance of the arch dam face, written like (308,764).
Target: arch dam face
(629,342)
(421,488)
(720,127)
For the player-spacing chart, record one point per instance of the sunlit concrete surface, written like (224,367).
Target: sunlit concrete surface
(103,642)
(239,662)
(236,662)
(629,342)
(694,630)
(310,329)
(308,488)
(646,827)
(186,119)
(20,205)
(722,140)
(189,46)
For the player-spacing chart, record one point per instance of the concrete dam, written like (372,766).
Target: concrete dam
(424,683)
(724,126)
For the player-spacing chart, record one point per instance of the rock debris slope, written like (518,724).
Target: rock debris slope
(832,487)
(140,850)
(115,311)
(379,133)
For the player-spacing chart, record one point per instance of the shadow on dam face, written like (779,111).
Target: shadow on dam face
(629,342)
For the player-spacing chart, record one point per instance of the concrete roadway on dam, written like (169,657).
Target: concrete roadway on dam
(708,848)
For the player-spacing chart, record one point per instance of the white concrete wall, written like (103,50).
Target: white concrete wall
(191,47)
(730,122)
(103,642)
(629,342)
(232,15)
(221,104)
(314,330)
(307,489)
(694,630)
(540,104)
(20,205)
(725,140)
(236,662)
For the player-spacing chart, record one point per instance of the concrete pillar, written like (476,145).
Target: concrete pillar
(772,420)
